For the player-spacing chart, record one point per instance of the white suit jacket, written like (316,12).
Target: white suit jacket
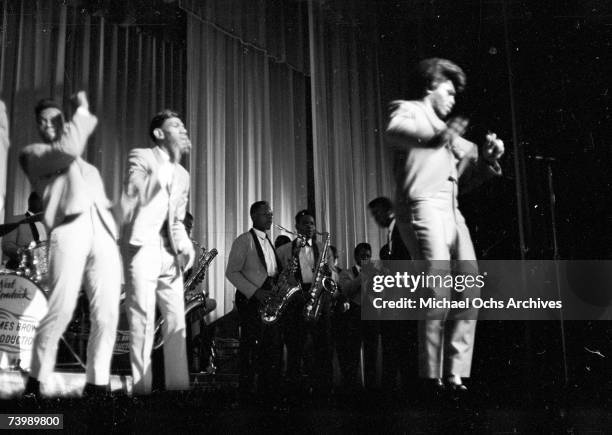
(67,184)
(145,205)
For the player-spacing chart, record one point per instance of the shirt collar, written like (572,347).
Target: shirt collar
(261,234)
(164,154)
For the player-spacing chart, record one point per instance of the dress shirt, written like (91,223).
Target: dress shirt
(166,171)
(307,262)
(268,251)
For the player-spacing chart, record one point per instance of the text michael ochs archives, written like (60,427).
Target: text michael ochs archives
(440,284)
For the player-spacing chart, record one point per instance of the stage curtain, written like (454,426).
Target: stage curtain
(351,165)
(52,48)
(247,117)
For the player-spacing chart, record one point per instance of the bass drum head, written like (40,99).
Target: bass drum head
(22,306)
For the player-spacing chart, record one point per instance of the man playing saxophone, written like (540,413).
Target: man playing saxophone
(251,267)
(295,328)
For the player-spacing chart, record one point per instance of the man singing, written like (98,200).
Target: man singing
(82,242)
(431,159)
(157,249)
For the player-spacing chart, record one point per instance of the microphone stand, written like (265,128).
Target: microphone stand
(556,259)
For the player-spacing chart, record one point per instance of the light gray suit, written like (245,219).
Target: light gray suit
(428,176)
(245,269)
(153,235)
(82,244)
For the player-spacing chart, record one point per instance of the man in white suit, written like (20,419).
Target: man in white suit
(432,163)
(82,242)
(157,250)
(251,267)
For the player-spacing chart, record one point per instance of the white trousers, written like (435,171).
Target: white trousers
(154,278)
(81,251)
(434,229)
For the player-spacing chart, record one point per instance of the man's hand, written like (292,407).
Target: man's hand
(80,100)
(493,149)
(186,256)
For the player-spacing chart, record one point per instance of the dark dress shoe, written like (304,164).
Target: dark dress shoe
(436,385)
(32,388)
(458,388)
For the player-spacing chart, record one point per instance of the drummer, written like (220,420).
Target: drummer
(24,234)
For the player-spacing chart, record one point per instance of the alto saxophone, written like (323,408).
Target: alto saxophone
(282,291)
(320,285)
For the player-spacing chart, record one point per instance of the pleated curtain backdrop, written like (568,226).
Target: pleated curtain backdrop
(249,66)
(351,165)
(247,119)
(52,49)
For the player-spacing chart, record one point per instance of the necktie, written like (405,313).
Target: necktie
(35,233)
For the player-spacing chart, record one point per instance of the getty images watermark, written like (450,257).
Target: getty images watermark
(494,290)
(450,282)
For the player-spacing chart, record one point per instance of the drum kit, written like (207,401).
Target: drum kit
(23,303)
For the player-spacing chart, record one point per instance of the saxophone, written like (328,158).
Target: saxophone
(282,291)
(198,273)
(320,285)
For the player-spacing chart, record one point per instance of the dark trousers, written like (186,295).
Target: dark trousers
(399,348)
(296,332)
(260,349)
(350,332)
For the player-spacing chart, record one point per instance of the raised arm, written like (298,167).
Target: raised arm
(409,125)
(78,130)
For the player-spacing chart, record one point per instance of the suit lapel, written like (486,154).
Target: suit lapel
(260,253)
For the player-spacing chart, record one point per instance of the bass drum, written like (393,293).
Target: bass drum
(22,306)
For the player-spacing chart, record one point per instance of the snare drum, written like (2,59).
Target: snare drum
(22,306)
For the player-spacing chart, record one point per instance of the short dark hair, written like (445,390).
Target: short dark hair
(159,119)
(361,247)
(46,103)
(431,72)
(256,206)
(381,202)
(300,214)
(281,240)
(333,250)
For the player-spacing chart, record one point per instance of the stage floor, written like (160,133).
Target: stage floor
(211,407)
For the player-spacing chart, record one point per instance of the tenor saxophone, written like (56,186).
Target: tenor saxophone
(321,284)
(282,291)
